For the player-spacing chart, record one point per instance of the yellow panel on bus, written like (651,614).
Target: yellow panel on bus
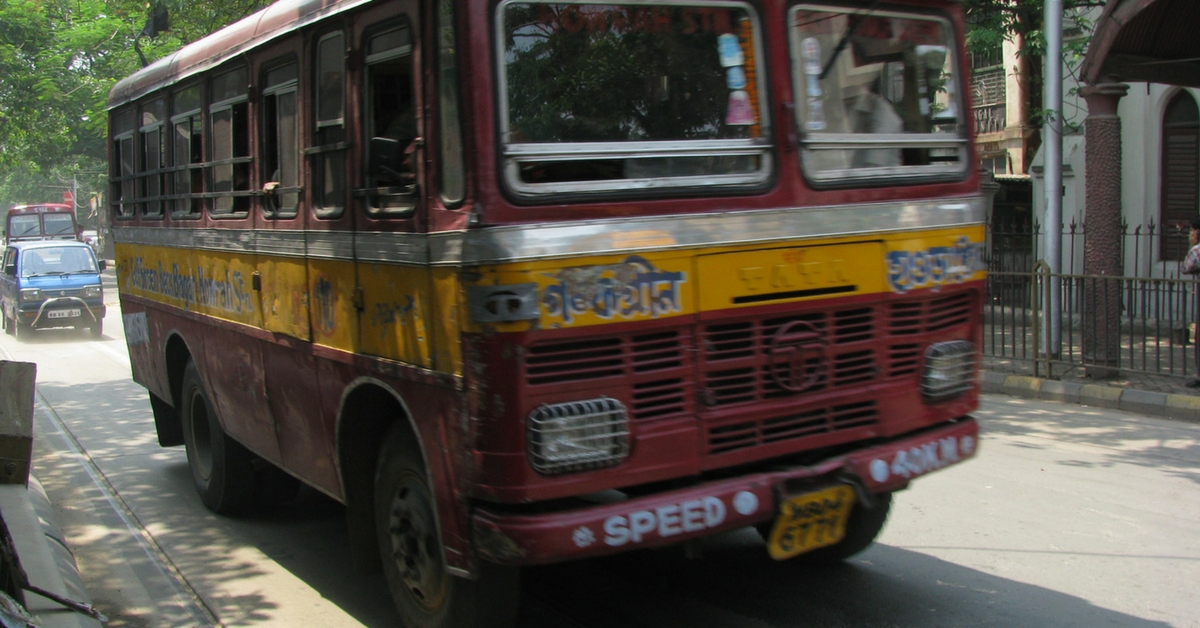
(446,331)
(224,287)
(331,285)
(602,290)
(936,259)
(285,301)
(749,278)
(217,284)
(159,274)
(396,307)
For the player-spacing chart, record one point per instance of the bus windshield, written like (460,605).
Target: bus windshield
(877,96)
(621,97)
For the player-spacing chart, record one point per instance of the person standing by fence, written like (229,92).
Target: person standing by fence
(1191,266)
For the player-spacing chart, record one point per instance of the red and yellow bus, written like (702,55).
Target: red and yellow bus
(522,282)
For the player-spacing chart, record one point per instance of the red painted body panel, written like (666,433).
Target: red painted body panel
(744,500)
(695,437)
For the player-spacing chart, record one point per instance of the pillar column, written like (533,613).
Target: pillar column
(1101,322)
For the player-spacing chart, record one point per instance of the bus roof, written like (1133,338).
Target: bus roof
(33,208)
(278,19)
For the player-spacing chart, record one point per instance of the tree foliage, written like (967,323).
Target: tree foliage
(992,22)
(58,61)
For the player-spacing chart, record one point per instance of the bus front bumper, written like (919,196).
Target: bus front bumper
(709,508)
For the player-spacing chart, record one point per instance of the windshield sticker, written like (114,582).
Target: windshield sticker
(631,289)
(739,112)
(934,267)
(730,50)
(735,78)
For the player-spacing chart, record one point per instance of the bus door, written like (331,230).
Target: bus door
(225,261)
(282,231)
(391,259)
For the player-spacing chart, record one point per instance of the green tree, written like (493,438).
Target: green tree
(992,22)
(58,61)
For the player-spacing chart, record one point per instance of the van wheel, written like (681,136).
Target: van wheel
(862,527)
(10,326)
(410,544)
(19,329)
(96,329)
(221,467)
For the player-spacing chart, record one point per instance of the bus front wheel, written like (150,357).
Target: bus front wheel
(221,467)
(425,594)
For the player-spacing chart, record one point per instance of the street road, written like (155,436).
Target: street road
(1069,516)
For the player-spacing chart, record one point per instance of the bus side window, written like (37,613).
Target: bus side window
(391,121)
(280,168)
(188,153)
(121,170)
(230,170)
(329,149)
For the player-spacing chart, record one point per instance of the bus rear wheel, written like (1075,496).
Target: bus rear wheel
(425,594)
(221,467)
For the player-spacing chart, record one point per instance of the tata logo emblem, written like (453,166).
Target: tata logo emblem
(797,354)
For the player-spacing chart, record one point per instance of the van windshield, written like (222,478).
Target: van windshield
(57,261)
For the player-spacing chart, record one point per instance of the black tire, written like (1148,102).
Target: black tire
(20,330)
(10,326)
(96,329)
(410,544)
(221,467)
(862,527)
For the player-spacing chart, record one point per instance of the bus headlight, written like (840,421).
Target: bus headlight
(949,370)
(31,295)
(578,435)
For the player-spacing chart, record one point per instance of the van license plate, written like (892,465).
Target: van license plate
(63,314)
(809,521)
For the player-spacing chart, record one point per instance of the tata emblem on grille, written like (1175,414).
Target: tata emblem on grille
(797,356)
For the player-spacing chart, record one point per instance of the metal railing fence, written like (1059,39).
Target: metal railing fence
(1137,323)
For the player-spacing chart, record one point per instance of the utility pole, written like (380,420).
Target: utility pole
(1052,141)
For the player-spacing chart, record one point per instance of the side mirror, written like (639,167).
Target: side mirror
(11,269)
(103,264)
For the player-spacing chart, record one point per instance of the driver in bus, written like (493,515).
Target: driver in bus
(872,113)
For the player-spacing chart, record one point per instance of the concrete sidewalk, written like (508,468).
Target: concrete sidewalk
(1160,398)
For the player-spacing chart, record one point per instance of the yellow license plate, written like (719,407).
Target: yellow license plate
(806,522)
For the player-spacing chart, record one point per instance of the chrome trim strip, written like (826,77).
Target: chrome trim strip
(283,242)
(406,248)
(542,241)
(330,245)
(619,236)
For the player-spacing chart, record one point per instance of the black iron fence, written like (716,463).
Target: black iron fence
(1140,322)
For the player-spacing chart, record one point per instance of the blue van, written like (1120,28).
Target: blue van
(51,283)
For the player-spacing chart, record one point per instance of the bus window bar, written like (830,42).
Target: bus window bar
(326,148)
(630,150)
(840,141)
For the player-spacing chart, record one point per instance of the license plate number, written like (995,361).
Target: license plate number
(63,314)
(809,521)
